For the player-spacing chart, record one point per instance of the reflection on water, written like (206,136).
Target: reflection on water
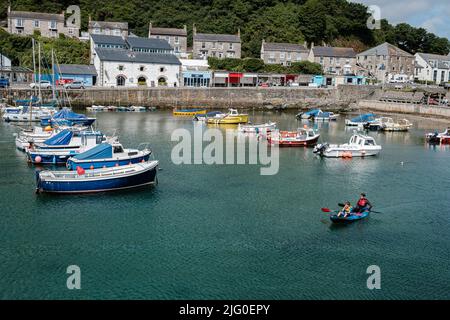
(217,232)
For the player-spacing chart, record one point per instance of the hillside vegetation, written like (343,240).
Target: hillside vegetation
(335,22)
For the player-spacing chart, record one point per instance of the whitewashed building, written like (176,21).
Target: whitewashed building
(127,68)
(432,68)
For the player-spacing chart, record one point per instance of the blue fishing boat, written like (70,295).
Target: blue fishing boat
(67,143)
(106,155)
(361,120)
(98,180)
(68,118)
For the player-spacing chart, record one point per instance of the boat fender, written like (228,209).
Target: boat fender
(38,159)
(91,167)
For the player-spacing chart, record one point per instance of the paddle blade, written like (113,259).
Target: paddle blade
(326,210)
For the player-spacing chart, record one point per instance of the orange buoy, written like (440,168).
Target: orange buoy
(92,167)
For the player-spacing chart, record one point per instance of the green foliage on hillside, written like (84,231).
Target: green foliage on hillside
(19,49)
(257,65)
(295,21)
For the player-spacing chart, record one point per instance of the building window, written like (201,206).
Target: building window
(282,55)
(36,24)
(96,31)
(230,46)
(177,40)
(70,31)
(141,68)
(289,56)
(162,69)
(52,25)
(19,23)
(121,67)
(203,45)
(107,31)
(120,81)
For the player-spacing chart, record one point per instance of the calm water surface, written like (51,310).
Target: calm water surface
(226,232)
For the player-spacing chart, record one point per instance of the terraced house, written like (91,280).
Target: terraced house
(216,45)
(283,53)
(177,38)
(386,62)
(47,24)
(334,60)
(432,68)
(108,28)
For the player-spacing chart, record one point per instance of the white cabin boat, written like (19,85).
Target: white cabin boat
(358,146)
(258,128)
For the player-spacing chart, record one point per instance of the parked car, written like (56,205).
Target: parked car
(264,85)
(4,82)
(75,85)
(44,84)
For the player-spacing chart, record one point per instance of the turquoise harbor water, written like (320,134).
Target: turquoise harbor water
(226,232)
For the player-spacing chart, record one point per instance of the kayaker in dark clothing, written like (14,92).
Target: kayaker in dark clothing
(363,204)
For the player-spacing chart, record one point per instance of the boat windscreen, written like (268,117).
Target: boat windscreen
(61,139)
(364,118)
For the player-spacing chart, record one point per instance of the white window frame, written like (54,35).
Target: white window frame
(36,24)
(20,22)
(53,25)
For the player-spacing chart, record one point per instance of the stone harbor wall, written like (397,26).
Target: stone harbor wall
(406,108)
(333,99)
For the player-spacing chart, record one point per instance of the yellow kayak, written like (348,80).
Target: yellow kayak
(188,112)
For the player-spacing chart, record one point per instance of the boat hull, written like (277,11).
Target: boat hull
(343,153)
(103,184)
(188,113)
(53,158)
(107,163)
(294,143)
(353,218)
(229,120)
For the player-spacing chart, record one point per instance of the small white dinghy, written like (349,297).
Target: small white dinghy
(258,128)
(358,146)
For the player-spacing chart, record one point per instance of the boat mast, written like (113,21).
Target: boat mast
(53,77)
(34,65)
(39,63)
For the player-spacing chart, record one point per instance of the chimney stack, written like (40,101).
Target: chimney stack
(239,32)
(149,29)
(185,28)
(194,30)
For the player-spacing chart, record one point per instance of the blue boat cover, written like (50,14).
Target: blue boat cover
(313,112)
(61,139)
(101,151)
(364,118)
(66,113)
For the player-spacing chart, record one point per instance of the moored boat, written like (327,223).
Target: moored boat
(98,180)
(388,124)
(258,128)
(67,117)
(439,138)
(106,155)
(188,112)
(210,115)
(358,146)
(303,137)
(325,116)
(138,109)
(67,143)
(361,120)
(233,117)
(308,115)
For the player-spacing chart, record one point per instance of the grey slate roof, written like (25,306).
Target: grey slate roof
(36,15)
(386,49)
(168,32)
(443,62)
(209,37)
(336,52)
(148,43)
(108,24)
(104,39)
(138,57)
(294,47)
(80,69)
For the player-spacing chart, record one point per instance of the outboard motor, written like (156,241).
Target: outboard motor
(320,148)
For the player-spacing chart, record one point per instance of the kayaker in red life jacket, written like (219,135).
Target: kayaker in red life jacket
(363,204)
